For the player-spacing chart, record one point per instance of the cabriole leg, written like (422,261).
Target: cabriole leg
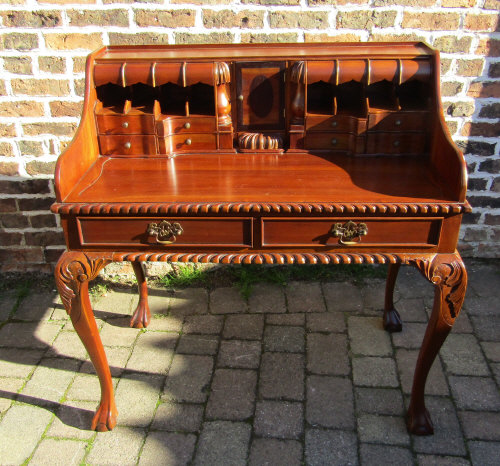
(142,315)
(73,273)
(447,272)
(392,319)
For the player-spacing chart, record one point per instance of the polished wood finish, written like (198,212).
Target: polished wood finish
(263,154)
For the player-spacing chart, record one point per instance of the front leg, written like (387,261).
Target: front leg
(73,272)
(447,272)
(392,319)
(142,315)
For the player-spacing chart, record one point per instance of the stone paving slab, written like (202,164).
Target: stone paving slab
(298,375)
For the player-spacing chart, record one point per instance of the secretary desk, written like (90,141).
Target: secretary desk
(263,154)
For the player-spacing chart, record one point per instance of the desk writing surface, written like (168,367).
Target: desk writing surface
(301,177)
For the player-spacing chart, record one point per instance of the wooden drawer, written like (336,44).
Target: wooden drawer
(132,124)
(398,121)
(127,145)
(317,232)
(186,125)
(337,123)
(122,231)
(187,142)
(395,143)
(330,141)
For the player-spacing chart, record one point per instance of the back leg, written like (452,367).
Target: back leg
(392,319)
(142,315)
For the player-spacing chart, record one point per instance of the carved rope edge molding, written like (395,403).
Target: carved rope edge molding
(255,207)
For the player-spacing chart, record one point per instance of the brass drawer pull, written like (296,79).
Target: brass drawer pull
(188,142)
(349,233)
(125,124)
(128,145)
(334,141)
(334,124)
(166,230)
(187,125)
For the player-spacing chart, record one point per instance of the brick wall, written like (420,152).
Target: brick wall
(43,45)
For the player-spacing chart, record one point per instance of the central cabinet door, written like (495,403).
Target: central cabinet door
(260,96)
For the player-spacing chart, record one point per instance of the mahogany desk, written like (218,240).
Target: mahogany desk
(263,154)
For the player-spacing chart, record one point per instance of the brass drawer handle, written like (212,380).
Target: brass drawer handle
(187,125)
(188,142)
(398,123)
(168,231)
(334,141)
(125,124)
(349,233)
(128,145)
(334,124)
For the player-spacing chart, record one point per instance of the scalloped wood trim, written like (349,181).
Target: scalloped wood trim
(254,207)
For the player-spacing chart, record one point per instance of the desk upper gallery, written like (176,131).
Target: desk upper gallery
(263,154)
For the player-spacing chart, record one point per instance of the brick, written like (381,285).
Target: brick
(342,297)
(475,234)
(239,354)
(19,41)
(21,256)
(44,238)
(223,442)
(323,37)
(447,438)
(271,2)
(491,350)
(26,422)
(411,3)
(7,130)
(304,297)
(128,440)
(18,65)
(386,401)
(244,327)
(63,109)
(477,148)
(188,378)
(411,336)
(228,18)
(267,298)
(8,205)
(52,129)
(445,65)
(327,354)
(431,21)
(480,425)
(226,301)
(286,319)
(374,372)
(28,147)
(198,344)
(167,448)
(434,460)
(189,301)
(10,238)
(494,70)
(484,201)
(383,429)
(15,221)
(368,336)
(284,338)
(232,395)
(203,2)
(79,64)
(458,3)
(481,22)
(279,419)
(490,166)
(407,360)
(490,111)
(460,109)
(153,352)
(19,363)
(261,38)
(140,38)
(303,20)
(396,37)
(330,447)
(165,18)
(211,38)
(474,184)
(85,387)
(481,129)
(73,41)
(40,87)
(37,306)
(9,168)
(470,67)
(491,5)
(365,20)
(275,452)
(52,64)
(32,19)
(484,89)
(12,385)
(177,417)
(329,402)
(80,87)
(331,322)
(6,149)
(282,376)
(382,454)
(33,186)
(485,453)
(203,324)
(60,451)
(490,219)
(39,167)
(475,393)
(97,17)
(488,47)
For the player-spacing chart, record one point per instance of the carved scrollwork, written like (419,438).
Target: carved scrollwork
(259,141)
(446,271)
(72,270)
(222,73)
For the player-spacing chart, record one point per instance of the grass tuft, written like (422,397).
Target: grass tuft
(184,275)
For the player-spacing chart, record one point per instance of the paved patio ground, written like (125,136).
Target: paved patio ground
(303,374)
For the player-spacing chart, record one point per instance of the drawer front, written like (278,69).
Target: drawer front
(134,124)
(331,141)
(127,145)
(395,143)
(290,232)
(229,232)
(398,121)
(344,124)
(186,125)
(188,142)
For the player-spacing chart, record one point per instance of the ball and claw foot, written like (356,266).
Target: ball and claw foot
(105,417)
(392,321)
(141,316)
(419,423)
